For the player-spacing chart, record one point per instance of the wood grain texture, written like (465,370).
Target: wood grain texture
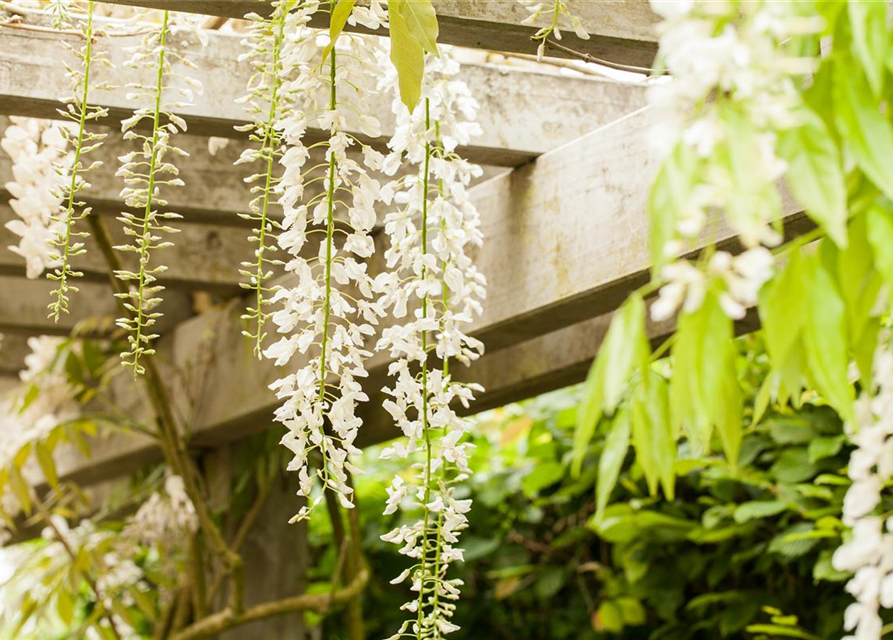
(621,30)
(523,113)
(567,240)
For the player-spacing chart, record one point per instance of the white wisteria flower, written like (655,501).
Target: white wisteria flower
(733,86)
(434,290)
(868,553)
(328,313)
(40,164)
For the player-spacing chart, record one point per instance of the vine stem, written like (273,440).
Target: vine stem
(330,234)
(64,270)
(144,248)
(425,427)
(269,146)
(171,442)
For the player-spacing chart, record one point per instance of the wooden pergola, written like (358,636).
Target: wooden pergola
(564,219)
(568,161)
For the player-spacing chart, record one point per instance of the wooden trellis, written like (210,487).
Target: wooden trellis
(565,220)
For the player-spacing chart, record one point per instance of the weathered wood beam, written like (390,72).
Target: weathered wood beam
(204,258)
(523,114)
(621,30)
(23,308)
(567,240)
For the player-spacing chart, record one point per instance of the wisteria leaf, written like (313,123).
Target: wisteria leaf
(815,175)
(408,57)
(825,340)
(880,236)
(864,130)
(869,43)
(421,21)
(611,462)
(340,14)
(653,435)
(625,347)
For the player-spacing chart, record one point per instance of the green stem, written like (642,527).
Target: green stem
(330,234)
(61,305)
(147,218)
(425,429)
(269,148)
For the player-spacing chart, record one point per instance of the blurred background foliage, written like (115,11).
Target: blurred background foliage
(741,551)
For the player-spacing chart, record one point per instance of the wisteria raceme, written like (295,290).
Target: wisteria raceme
(81,141)
(869,551)
(146,172)
(45,400)
(165,517)
(431,278)
(266,100)
(745,64)
(40,163)
(328,314)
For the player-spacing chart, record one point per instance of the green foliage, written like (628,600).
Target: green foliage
(736,543)
(413,31)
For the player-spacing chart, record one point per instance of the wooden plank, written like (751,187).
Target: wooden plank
(23,308)
(204,258)
(621,30)
(523,114)
(567,240)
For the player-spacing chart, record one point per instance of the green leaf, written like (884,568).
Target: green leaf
(865,132)
(543,475)
(824,447)
(791,543)
(611,462)
(20,488)
(669,196)
(413,32)
(758,509)
(653,434)
(625,347)
(704,389)
(340,14)
(609,617)
(793,466)
(880,236)
(47,464)
(420,19)
(825,340)
(815,175)
(550,582)
(778,630)
(868,21)
(65,606)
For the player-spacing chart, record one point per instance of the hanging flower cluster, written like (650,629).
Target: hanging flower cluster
(869,552)
(40,161)
(733,86)
(329,311)
(266,99)
(45,400)
(145,172)
(164,518)
(432,279)
(81,141)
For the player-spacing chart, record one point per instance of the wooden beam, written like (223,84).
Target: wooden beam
(566,241)
(523,114)
(204,258)
(621,30)
(23,308)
